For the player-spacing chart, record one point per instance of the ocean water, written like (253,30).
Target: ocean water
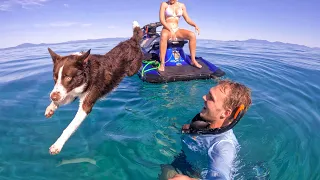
(135,129)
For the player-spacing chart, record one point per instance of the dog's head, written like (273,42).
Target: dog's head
(68,75)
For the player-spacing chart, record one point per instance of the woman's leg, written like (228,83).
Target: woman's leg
(163,47)
(185,34)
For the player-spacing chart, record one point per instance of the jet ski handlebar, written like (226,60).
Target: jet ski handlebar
(152,25)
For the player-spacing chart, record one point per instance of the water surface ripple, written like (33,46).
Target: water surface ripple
(136,127)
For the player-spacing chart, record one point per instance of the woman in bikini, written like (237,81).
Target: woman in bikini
(170,13)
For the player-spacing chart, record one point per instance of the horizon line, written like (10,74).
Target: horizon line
(70,41)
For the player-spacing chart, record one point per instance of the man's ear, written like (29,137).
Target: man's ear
(83,56)
(54,56)
(227,113)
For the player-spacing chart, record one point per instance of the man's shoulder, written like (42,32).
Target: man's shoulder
(226,139)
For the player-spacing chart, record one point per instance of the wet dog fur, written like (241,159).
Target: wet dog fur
(89,77)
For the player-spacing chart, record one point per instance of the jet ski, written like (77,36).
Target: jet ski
(177,63)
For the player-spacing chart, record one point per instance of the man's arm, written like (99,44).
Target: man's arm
(222,155)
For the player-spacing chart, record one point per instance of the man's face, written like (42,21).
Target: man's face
(213,105)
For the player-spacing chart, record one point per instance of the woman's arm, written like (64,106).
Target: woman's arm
(161,16)
(188,19)
(186,16)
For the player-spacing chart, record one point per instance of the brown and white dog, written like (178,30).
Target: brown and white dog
(89,77)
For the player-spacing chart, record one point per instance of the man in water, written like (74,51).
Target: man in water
(209,146)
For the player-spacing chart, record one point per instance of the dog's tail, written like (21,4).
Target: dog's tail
(137,32)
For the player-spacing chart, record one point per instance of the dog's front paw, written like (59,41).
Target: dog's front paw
(55,149)
(50,110)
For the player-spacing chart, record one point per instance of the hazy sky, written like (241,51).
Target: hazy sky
(51,21)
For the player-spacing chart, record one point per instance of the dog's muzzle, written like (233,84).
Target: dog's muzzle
(55,96)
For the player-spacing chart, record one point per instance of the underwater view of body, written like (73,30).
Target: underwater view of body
(136,128)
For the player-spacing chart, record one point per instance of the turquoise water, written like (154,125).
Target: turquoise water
(136,127)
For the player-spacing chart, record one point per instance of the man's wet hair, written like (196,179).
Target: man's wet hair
(237,94)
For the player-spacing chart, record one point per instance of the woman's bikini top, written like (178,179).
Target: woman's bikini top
(171,12)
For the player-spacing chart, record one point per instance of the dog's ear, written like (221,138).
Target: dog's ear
(54,56)
(84,56)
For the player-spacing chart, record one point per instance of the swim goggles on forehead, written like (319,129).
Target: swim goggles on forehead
(201,126)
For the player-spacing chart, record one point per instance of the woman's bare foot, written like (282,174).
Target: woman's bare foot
(161,68)
(196,64)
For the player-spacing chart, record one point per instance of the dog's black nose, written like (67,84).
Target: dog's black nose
(55,96)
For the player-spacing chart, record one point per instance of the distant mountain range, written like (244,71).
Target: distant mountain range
(275,43)
(24,45)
